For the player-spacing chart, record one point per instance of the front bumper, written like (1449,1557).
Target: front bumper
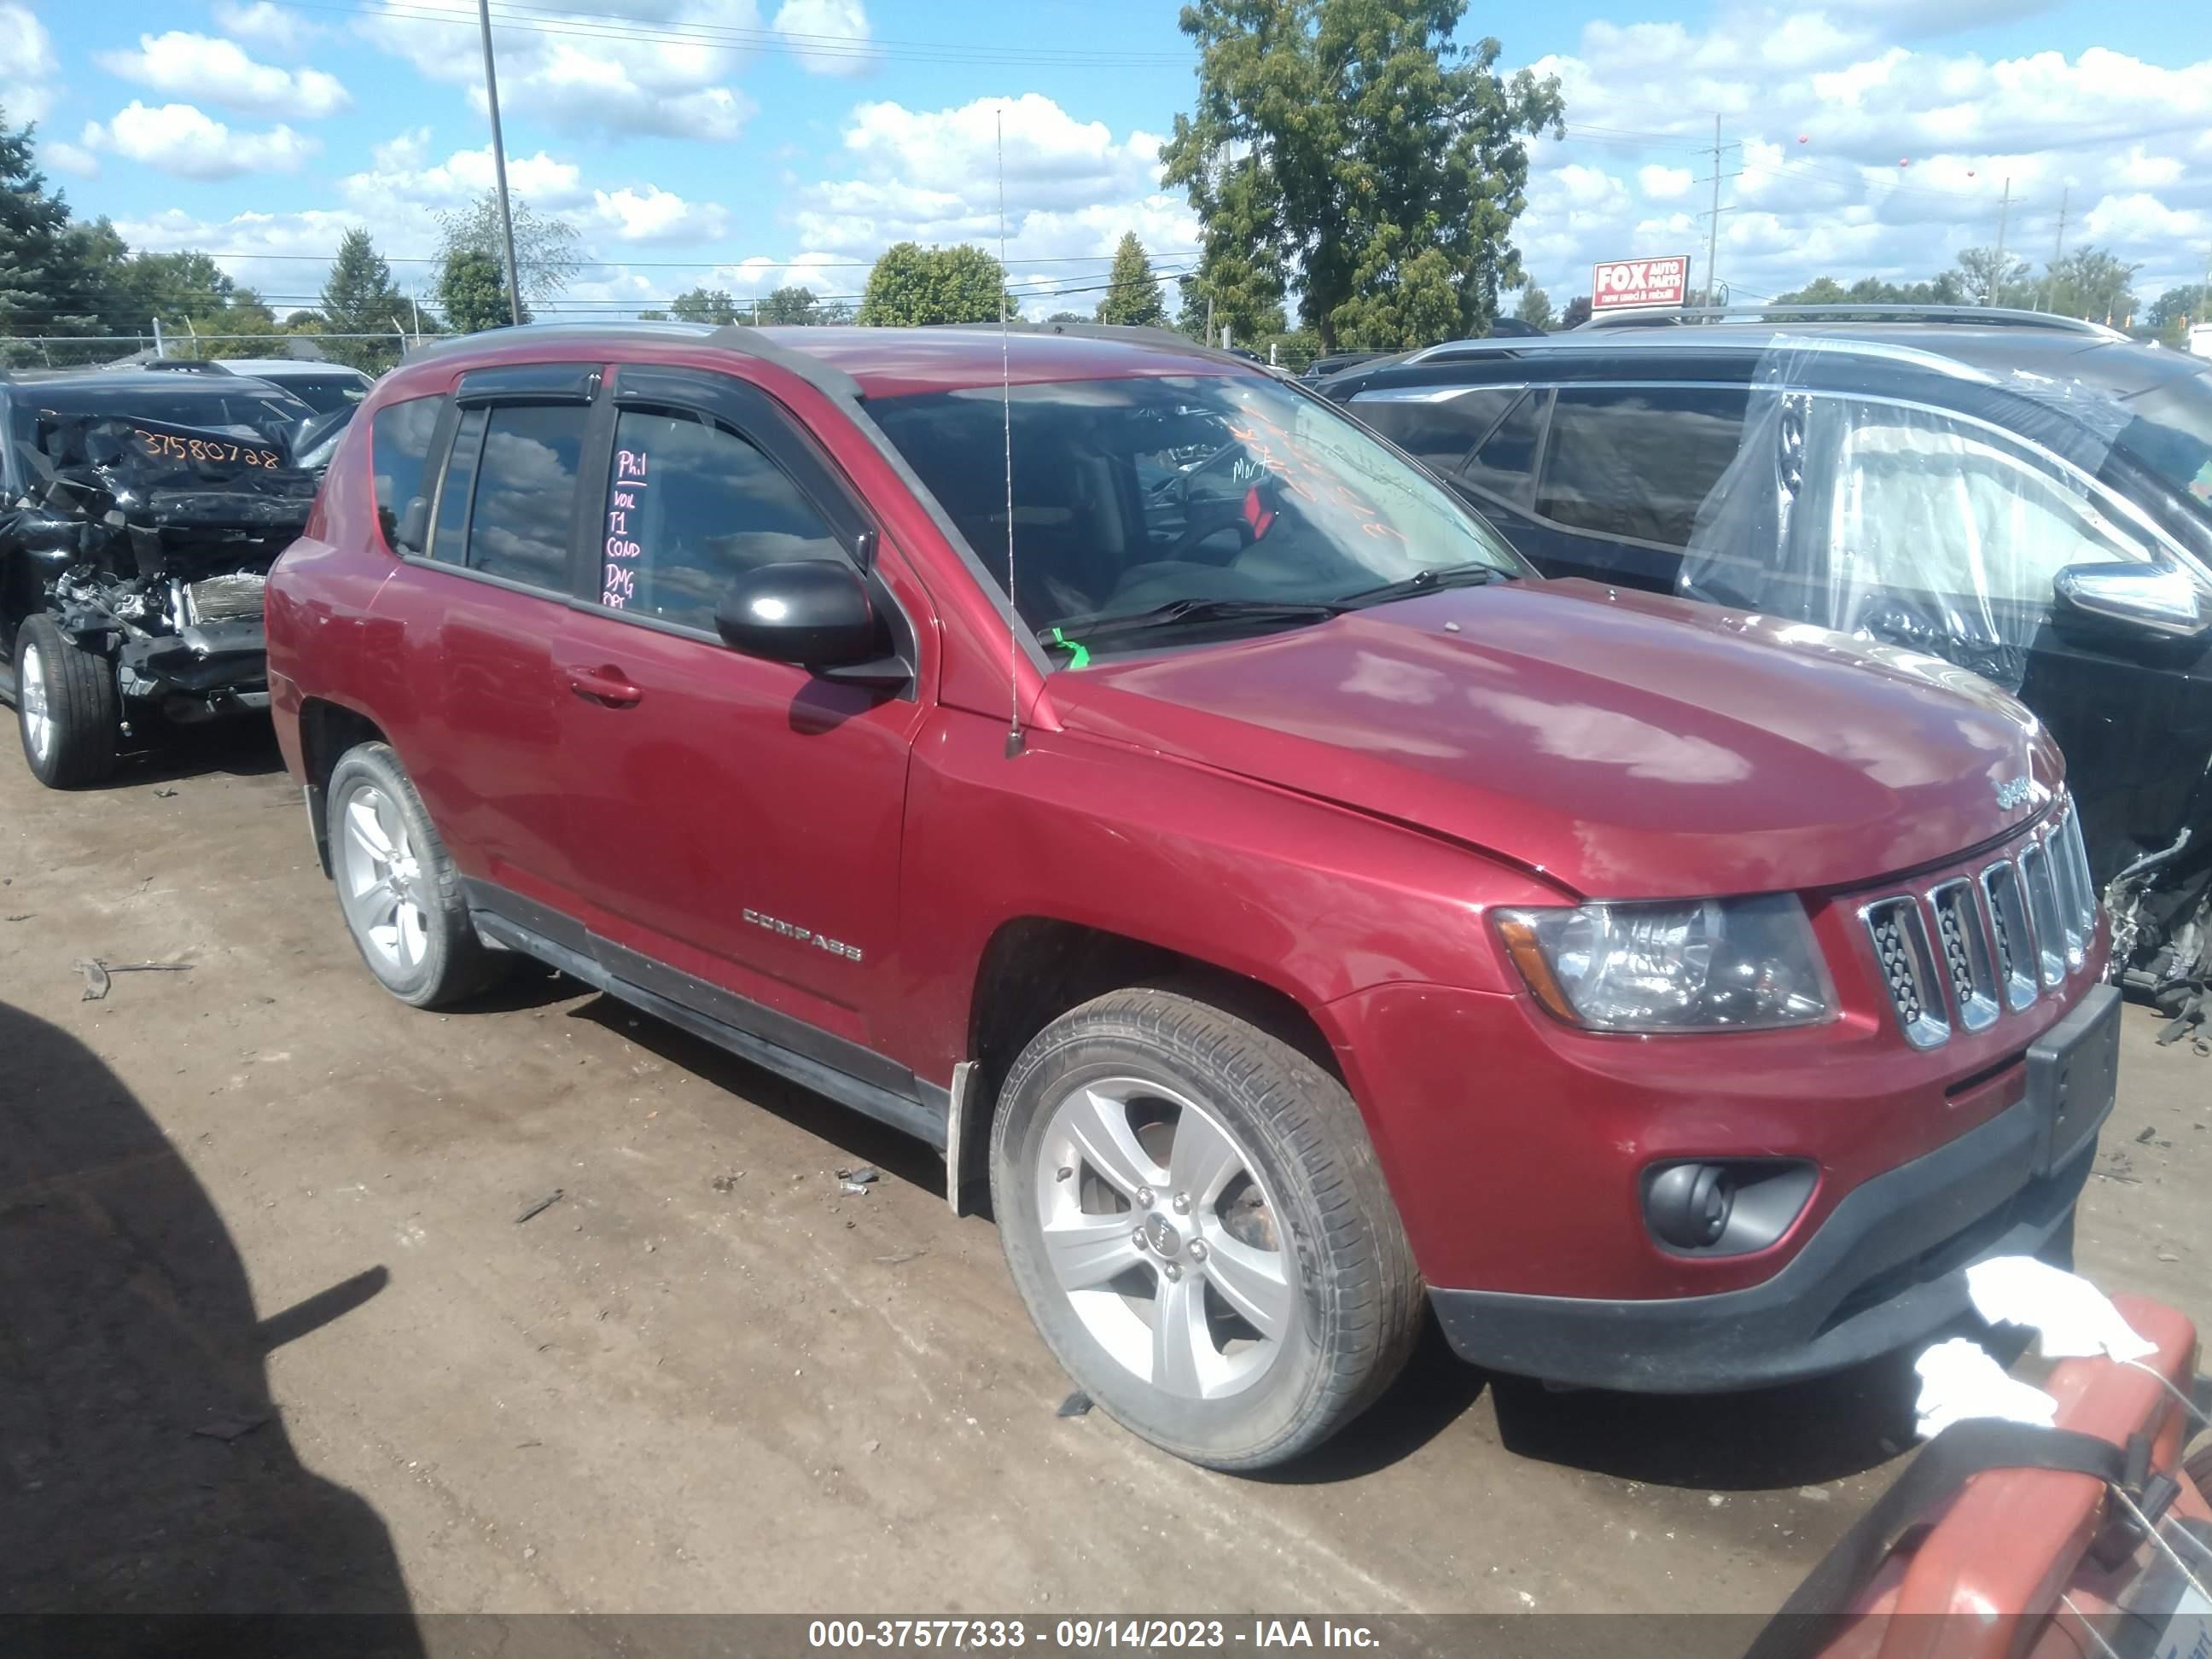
(227,660)
(1885,1269)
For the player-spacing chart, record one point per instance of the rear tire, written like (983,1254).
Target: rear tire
(398,891)
(68,710)
(1273,1295)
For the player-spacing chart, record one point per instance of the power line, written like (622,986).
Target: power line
(707,265)
(589,24)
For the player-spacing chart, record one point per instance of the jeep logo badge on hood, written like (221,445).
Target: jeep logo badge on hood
(2015,792)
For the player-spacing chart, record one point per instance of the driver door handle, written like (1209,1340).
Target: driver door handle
(604,685)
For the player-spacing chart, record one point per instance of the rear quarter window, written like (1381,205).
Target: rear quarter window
(400,455)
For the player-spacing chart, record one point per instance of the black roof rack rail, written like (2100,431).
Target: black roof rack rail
(1903,311)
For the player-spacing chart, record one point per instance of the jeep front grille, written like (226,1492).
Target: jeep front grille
(2042,910)
(1900,946)
(1965,947)
(1973,948)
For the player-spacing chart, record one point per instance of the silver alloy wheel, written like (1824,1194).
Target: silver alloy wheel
(1161,1233)
(38,714)
(380,881)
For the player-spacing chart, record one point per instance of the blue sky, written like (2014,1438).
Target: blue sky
(748,142)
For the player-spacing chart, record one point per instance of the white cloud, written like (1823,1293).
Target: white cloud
(654,215)
(29,51)
(180,139)
(277,28)
(397,177)
(65,157)
(205,67)
(661,68)
(828,37)
(931,176)
(1894,156)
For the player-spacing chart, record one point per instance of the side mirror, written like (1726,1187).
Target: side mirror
(2158,598)
(811,613)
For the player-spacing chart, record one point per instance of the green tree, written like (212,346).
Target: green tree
(2168,317)
(911,285)
(1348,149)
(472,292)
(1576,313)
(703,305)
(1068,317)
(1984,283)
(360,297)
(654,315)
(1535,307)
(45,286)
(789,305)
(1948,287)
(545,256)
(1133,294)
(2091,283)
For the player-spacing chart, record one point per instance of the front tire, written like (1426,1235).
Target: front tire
(69,711)
(1194,1214)
(400,894)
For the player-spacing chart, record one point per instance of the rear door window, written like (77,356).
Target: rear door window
(508,508)
(690,507)
(1637,462)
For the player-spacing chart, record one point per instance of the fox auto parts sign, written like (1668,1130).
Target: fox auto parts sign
(1618,284)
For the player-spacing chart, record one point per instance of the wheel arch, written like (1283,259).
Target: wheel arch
(1035,967)
(327,730)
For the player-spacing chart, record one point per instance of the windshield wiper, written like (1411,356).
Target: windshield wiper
(1106,624)
(1473,574)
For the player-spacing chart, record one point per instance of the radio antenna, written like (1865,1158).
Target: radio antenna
(1007,419)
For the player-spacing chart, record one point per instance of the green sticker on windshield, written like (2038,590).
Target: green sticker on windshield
(1081,657)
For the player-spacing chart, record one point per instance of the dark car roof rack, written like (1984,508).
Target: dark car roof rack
(1968,316)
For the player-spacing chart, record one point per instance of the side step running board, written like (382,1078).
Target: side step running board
(901,1112)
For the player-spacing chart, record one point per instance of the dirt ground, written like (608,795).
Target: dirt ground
(272,1336)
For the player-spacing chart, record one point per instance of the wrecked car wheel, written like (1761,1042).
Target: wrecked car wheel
(1194,1214)
(400,893)
(67,707)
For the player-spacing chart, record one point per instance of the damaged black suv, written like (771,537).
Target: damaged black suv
(139,514)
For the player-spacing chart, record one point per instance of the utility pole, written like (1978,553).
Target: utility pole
(1713,230)
(1996,276)
(2057,251)
(499,164)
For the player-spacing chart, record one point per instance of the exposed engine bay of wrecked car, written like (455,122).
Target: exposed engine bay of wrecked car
(150,543)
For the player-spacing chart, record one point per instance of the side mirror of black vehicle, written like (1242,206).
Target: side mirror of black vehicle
(813,614)
(2161,600)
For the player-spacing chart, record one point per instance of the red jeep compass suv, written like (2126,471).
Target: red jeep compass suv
(1201,820)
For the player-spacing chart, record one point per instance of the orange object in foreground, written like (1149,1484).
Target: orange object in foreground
(2042,1562)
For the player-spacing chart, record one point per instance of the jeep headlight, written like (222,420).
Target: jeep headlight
(1702,964)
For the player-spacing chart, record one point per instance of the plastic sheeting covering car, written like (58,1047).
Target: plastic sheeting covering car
(1899,522)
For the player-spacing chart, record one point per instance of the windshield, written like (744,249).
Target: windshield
(2169,433)
(267,415)
(323,392)
(1129,494)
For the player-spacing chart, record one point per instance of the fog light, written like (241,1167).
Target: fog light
(1688,1204)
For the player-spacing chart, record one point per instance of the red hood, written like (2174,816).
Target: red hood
(1629,745)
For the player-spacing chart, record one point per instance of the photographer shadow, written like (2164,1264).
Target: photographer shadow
(145,1470)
